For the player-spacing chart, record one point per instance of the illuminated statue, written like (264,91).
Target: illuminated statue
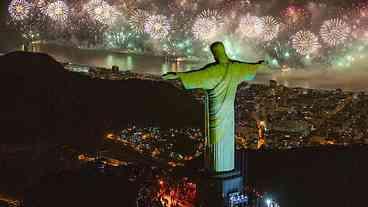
(220,80)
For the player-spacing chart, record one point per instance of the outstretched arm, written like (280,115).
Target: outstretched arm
(205,78)
(189,80)
(247,71)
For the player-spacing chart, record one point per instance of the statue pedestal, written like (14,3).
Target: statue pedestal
(215,190)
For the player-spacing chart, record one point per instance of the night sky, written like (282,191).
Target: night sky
(8,36)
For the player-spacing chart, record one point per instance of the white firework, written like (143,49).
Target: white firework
(305,42)
(250,26)
(334,32)
(19,9)
(58,11)
(101,11)
(157,26)
(271,28)
(137,20)
(207,25)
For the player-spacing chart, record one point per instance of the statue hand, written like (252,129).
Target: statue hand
(170,76)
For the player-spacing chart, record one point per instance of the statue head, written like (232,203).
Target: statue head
(218,51)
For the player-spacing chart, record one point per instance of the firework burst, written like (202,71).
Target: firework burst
(19,9)
(101,11)
(137,20)
(58,11)
(295,16)
(271,28)
(334,32)
(358,10)
(181,25)
(117,38)
(207,25)
(305,42)
(157,26)
(250,26)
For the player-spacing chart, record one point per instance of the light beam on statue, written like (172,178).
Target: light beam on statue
(220,80)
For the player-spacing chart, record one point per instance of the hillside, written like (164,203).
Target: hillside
(42,101)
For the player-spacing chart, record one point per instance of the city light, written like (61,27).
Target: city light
(110,136)
(268,202)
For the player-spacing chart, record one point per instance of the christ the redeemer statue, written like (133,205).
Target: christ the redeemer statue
(220,80)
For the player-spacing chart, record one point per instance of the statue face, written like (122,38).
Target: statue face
(218,51)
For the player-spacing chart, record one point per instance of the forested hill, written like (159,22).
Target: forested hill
(42,100)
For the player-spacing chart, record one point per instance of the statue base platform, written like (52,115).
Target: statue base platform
(217,190)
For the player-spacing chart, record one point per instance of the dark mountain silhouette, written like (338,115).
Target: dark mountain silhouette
(43,101)
(82,189)
(321,176)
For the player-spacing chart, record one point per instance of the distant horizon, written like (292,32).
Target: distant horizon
(313,78)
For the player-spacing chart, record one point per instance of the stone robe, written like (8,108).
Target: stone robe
(220,81)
